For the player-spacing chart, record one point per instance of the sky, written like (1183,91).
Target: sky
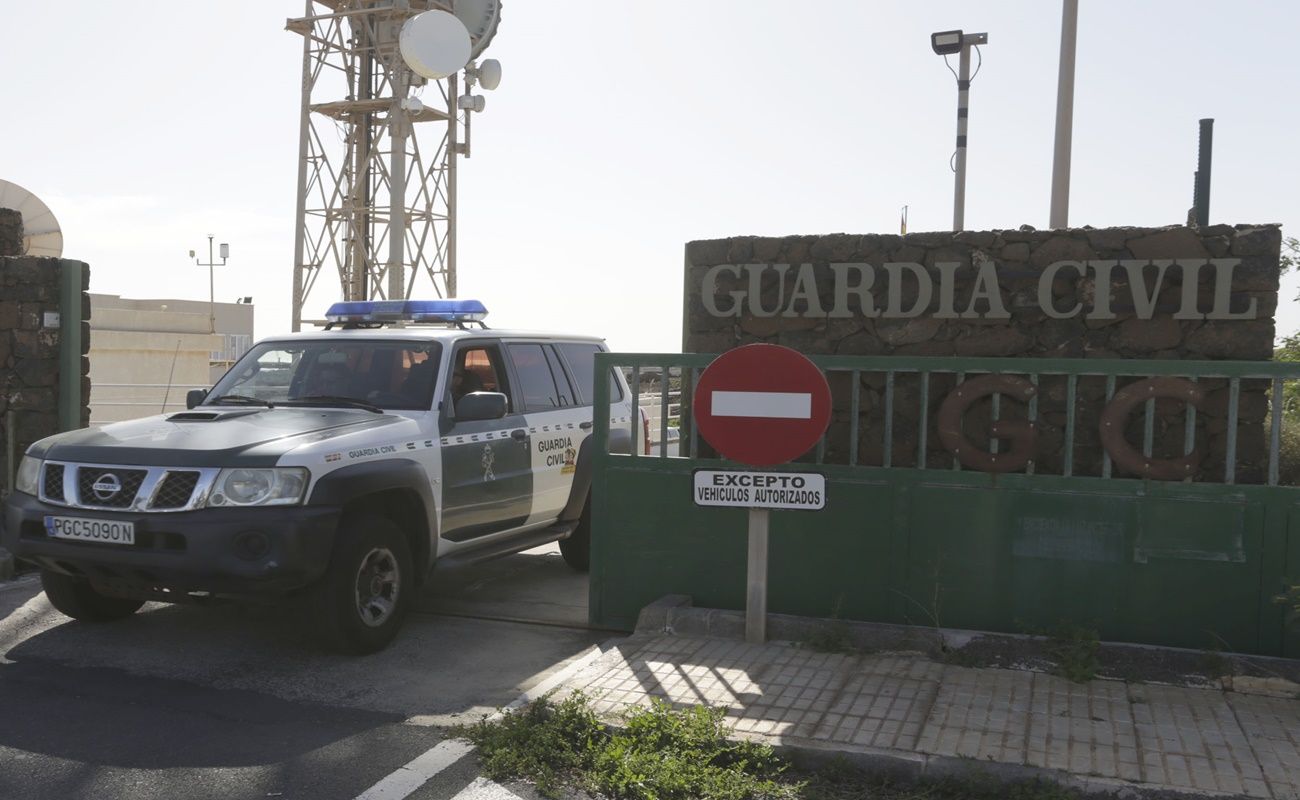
(623,130)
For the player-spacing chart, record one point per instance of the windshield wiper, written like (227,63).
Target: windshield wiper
(334,400)
(243,399)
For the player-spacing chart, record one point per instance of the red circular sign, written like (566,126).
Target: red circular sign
(762,404)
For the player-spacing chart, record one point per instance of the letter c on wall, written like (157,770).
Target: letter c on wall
(1128,458)
(1023,436)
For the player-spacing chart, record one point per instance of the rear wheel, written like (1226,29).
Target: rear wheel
(76,598)
(363,597)
(577,548)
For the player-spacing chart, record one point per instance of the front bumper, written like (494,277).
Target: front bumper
(201,551)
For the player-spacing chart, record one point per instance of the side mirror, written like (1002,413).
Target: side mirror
(480,406)
(195,396)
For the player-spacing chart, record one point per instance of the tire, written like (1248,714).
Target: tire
(361,601)
(76,598)
(576,549)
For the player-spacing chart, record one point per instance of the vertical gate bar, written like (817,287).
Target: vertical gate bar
(663,413)
(1033,417)
(889,419)
(997,414)
(635,422)
(961,378)
(1071,388)
(854,411)
(925,421)
(1149,427)
(1230,468)
(1275,437)
(695,433)
(1189,432)
(1105,456)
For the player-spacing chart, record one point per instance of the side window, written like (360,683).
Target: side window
(478,369)
(536,382)
(581,357)
(561,380)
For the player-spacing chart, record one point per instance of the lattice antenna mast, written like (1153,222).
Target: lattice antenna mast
(381,128)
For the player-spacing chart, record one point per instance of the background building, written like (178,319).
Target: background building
(145,354)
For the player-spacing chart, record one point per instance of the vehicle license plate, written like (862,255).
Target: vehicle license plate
(90,530)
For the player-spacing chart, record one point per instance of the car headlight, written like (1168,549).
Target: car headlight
(278,486)
(28,479)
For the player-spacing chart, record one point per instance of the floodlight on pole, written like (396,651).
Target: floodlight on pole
(945,43)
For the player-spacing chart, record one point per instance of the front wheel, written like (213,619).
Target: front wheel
(76,598)
(576,549)
(366,590)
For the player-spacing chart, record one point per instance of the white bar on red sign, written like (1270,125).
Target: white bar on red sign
(800,491)
(770,405)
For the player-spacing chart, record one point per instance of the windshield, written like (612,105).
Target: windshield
(383,374)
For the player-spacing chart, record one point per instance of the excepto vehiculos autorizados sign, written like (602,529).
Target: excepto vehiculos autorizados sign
(798,491)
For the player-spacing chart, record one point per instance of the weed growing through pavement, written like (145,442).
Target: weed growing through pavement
(1075,651)
(832,635)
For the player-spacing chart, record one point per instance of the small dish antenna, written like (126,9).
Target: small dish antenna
(434,44)
(489,73)
(481,18)
(41,233)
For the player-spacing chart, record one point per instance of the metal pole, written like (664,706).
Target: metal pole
(1060,211)
(397,192)
(963,99)
(452,135)
(11,449)
(756,577)
(1204,150)
(300,210)
(212,304)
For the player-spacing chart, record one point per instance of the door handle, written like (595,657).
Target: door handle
(519,434)
(586,426)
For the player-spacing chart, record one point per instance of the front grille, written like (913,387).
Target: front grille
(54,482)
(175,490)
(128,479)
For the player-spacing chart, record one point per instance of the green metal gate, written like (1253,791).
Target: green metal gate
(911,536)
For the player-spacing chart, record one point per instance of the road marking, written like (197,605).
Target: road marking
(484,789)
(418,771)
(404,780)
(772,405)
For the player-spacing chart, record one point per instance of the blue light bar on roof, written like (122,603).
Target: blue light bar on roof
(407,311)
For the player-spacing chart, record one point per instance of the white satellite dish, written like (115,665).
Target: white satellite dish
(41,233)
(481,18)
(434,44)
(489,74)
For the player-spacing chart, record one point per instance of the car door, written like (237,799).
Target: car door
(555,423)
(486,464)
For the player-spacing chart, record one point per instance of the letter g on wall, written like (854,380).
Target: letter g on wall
(1023,435)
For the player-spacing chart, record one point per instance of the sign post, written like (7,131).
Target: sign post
(761,405)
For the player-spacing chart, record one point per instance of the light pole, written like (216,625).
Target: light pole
(945,43)
(1060,210)
(212,306)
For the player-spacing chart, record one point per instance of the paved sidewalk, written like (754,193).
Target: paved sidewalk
(923,717)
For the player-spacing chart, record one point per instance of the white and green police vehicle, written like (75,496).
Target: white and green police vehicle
(335,467)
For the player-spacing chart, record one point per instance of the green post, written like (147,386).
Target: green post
(70,399)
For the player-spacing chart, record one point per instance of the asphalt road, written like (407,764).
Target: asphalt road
(225,702)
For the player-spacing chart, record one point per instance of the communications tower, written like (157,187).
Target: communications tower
(387,102)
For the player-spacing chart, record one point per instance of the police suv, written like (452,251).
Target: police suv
(335,466)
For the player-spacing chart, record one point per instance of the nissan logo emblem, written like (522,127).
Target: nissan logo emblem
(106,486)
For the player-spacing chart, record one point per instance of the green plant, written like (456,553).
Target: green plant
(1075,651)
(833,634)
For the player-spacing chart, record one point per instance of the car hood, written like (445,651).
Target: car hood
(208,436)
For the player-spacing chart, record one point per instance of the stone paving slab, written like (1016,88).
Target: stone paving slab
(1110,733)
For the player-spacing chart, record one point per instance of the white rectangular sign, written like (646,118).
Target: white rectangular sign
(773,405)
(801,491)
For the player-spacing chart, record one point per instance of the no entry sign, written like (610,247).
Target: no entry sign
(762,404)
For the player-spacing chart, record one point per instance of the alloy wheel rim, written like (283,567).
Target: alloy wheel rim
(378,585)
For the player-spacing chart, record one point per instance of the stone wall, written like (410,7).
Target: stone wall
(29,349)
(11,232)
(1119,293)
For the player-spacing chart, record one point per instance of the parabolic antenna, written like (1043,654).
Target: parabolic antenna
(489,74)
(481,18)
(434,44)
(41,233)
